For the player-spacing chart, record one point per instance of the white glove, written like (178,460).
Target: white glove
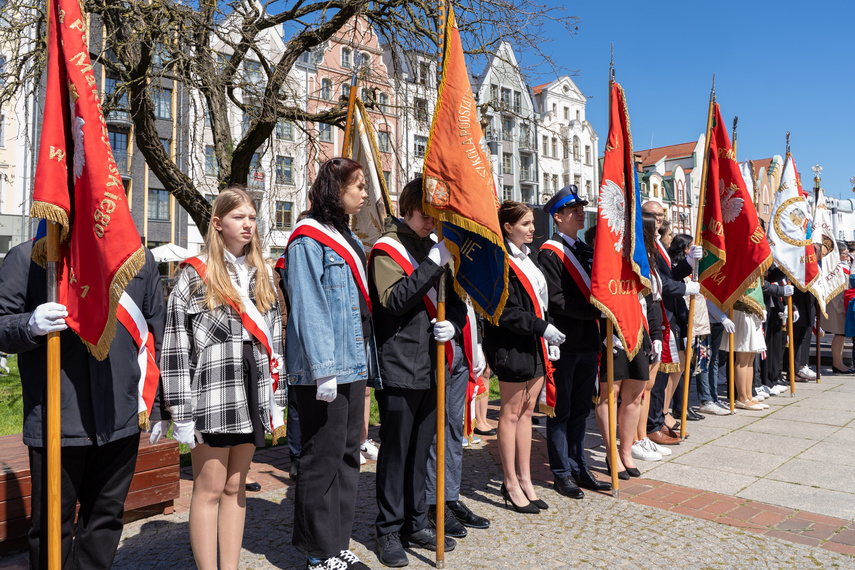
(327,390)
(185,432)
(553,336)
(616,343)
(48,318)
(158,430)
(693,288)
(657,349)
(696,252)
(795,314)
(554,352)
(278,364)
(729,326)
(480,363)
(443,331)
(439,254)
(789,290)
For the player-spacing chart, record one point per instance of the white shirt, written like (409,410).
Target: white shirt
(242,284)
(535,276)
(571,241)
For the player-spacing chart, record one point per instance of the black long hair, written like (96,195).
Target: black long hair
(677,249)
(649,226)
(325,193)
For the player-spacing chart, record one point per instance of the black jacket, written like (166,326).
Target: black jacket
(571,312)
(773,296)
(654,318)
(673,291)
(511,348)
(99,398)
(402,325)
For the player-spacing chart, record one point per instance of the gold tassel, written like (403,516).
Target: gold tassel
(278,433)
(547,409)
(143,421)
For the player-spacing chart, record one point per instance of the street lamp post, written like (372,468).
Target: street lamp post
(817,170)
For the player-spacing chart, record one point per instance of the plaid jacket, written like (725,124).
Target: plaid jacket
(202,359)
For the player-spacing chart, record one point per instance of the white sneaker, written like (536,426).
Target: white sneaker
(362,460)
(807,372)
(760,396)
(660,449)
(778,389)
(713,408)
(644,454)
(369,449)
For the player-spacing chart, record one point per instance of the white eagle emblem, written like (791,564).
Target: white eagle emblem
(613,209)
(731,206)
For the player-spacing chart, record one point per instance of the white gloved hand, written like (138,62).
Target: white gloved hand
(554,352)
(443,331)
(439,254)
(657,349)
(185,432)
(782,316)
(795,314)
(480,363)
(327,390)
(158,430)
(789,290)
(693,288)
(696,252)
(729,326)
(616,343)
(553,336)
(48,318)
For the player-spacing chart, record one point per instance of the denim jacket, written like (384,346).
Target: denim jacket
(324,333)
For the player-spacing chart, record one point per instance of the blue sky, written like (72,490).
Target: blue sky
(779,66)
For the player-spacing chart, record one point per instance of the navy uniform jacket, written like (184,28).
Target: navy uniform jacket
(99,398)
(673,291)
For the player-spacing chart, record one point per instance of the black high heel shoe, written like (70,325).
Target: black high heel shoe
(622,475)
(536,502)
(530,509)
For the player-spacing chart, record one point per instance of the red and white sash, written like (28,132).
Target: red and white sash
(256,326)
(547,407)
(571,264)
(331,238)
(663,251)
(133,320)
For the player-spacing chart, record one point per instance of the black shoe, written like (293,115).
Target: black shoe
(390,552)
(295,469)
(540,504)
(453,528)
(691,416)
(426,538)
(622,475)
(255,486)
(567,487)
(633,471)
(466,517)
(529,509)
(352,560)
(485,432)
(586,480)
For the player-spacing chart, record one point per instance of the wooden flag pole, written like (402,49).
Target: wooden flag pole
(54,406)
(730,364)
(699,225)
(791,345)
(610,378)
(351,103)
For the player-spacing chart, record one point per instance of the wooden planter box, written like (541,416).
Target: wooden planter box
(153,489)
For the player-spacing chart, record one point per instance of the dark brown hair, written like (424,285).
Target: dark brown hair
(511,212)
(410,199)
(325,193)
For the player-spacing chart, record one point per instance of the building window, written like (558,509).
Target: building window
(420,146)
(387,177)
(119,144)
(366,95)
(383,102)
(346,61)
(588,155)
(577,151)
(162,102)
(283,215)
(158,205)
(364,59)
(2,130)
(121,104)
(507,163)
(326,89)
(555,183)
(210,162)
(421,109)
(253,72)
(345,90)
(506,98)
(424,71)
(384,141)
(588,189)
(494,92)
(284,170)
(508,129)
(577,180)
(525,136)
(655,190)
(566,147)
(554,147)
(565,178)
(566,113)
(284,130)
(517,102)
(325,132)
(167,146)
(554,110)
(546,183)
(525,168)
(527,195)
(545,146)
(507,192)
(579,116)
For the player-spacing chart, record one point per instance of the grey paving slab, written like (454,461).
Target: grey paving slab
(705,431)
(805,430)
(708,479)
(826,451)
(821,474)
(844,436)
(775,444)
(802,497)
(732,460)
(815,415)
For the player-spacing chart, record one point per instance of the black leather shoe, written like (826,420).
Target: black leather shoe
(567,487)
(691,416)
(453,528)
(295,469)
(485,431)
(586,480)
(390,552)
(466,517)
(426,538)
(254,486)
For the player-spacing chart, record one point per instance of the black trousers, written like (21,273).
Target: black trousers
(98,477)
(656,414)
(292,432)
(802,346)
(773,364)
(407,429)
(575,379)
(329,469)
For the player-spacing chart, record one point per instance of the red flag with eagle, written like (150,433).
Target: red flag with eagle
(736,252)
(621,270)
(78,185)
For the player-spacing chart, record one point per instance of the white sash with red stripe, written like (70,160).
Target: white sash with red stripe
(133,320)
(331,238)
(256,326)
(571,264)
(663,251)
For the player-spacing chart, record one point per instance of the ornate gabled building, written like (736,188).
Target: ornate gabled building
(671,175)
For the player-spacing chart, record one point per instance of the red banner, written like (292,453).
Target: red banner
(78,185)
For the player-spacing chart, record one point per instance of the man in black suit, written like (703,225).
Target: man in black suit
(566,263)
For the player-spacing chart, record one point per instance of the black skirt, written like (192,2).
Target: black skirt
(625,369)
(250,384)
(539,369)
